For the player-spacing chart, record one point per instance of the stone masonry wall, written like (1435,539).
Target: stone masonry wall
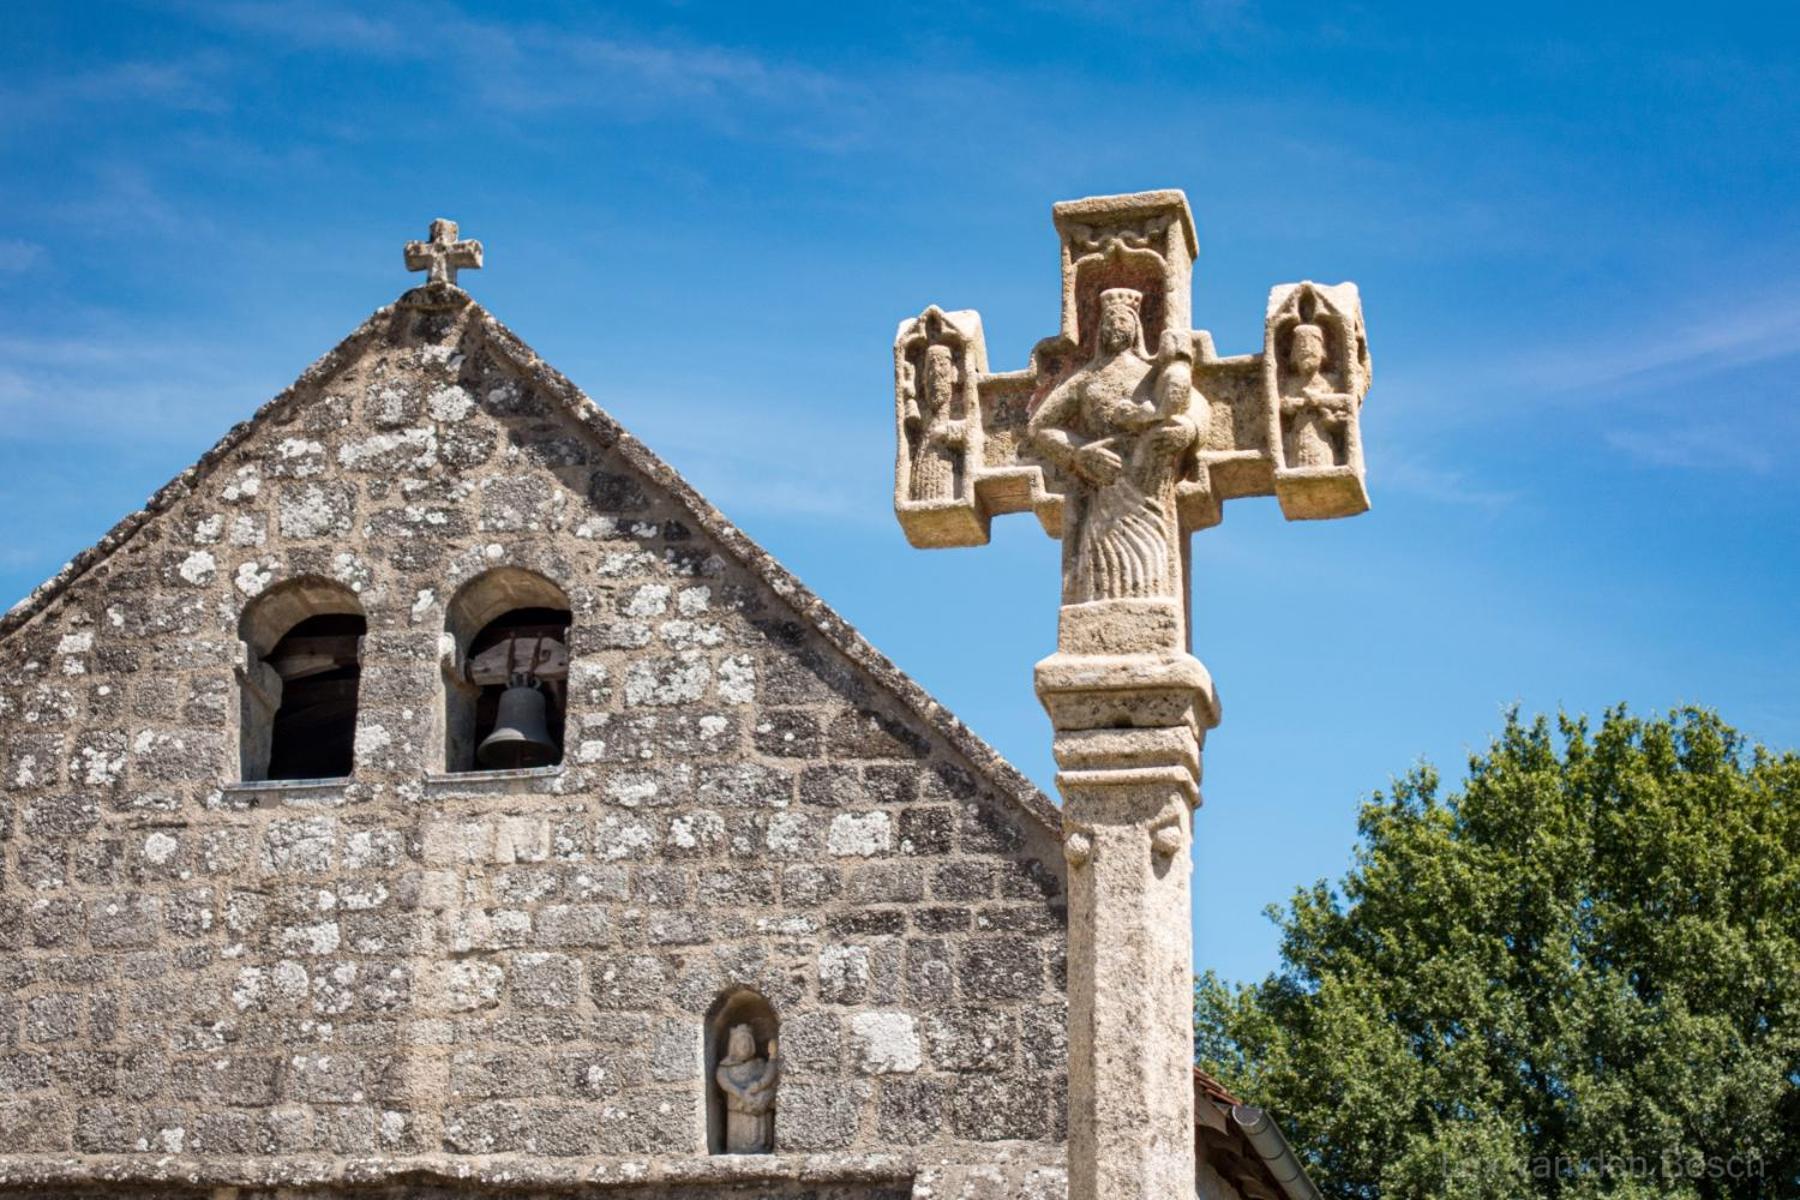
(416,964)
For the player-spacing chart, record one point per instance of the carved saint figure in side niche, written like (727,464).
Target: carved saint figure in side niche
(1316,412)
(1119,428)
(938,437)
(748,1083)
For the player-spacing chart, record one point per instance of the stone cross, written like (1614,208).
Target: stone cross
(1124,434)
(442,255)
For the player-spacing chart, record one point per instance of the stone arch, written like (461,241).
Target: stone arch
(267,618)
(738,1006)
(504,605)
(299,681)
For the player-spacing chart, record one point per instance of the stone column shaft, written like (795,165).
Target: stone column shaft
(1129,729)
(1131,1096)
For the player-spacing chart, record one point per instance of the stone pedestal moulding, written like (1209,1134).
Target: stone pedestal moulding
(1125,433)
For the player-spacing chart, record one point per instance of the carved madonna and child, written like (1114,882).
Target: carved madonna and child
(1119,428)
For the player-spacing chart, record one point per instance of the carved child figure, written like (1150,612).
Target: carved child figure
(1315,410)
(938,437)
(748,1083)
(1119,427)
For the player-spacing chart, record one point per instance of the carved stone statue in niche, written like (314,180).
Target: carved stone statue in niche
(1118,429)
(1314,411)
(938,436)
(748,1083)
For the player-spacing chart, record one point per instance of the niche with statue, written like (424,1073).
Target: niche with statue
(743,1072)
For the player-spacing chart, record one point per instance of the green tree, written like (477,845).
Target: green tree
(1578,976)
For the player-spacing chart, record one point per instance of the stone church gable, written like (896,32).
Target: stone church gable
(441,972)
(601,433)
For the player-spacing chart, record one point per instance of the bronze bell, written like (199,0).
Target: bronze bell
(521,736)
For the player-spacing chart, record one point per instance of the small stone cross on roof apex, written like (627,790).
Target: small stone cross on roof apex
(442,255)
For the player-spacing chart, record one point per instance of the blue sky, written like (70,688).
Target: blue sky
(1573,225)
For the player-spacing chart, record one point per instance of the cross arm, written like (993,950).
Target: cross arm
(443,254)
(967,450)
(422,256)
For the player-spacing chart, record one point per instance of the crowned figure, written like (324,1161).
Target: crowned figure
(1118,428)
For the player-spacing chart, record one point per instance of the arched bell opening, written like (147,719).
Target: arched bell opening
(506,694)
(743,1072)
(299,682)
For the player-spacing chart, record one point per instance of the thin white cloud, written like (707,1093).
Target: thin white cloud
(124,387)
(83,352)
(1404,473)
(1657,350)
(1191,18)
(1663,382)
(1694,448)
(305,25)
(744,456)
(28,102)
(123,195)
(18,255)
(17,557)
(689,71)
(133,388)
(783,493)
(524,68)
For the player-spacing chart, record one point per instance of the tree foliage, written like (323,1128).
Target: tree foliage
(1578,976)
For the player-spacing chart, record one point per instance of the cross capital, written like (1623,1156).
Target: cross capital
(443,254)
